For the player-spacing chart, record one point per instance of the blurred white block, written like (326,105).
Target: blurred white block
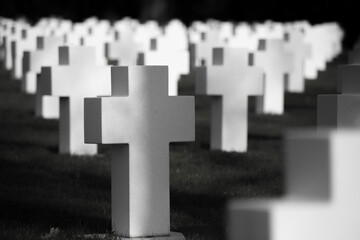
(230,81)
(140,120)
(321,200)
(276,62)
(77,77)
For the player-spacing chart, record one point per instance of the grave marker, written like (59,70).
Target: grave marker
(276,63)
(77,77)
(140,120)
(27,42)
(177,60)
(202,52)
(294,43)
(98,36)
(175,36)
(124,51)
(244,37)
(15,32)
(46,54)
(230,81)
(46,107)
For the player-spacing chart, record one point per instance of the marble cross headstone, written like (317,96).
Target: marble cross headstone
(5,35)
(64,27)
(14,33)
(244,37)
(97,38)
(325,41)
(26,43)
(46,107)
(276,63)
(201,53)
(46,54)
(124,51)
(268,30)
(322,200)
(73,37)
(147,31)
(177,60)
(140,120)
(315,62)
(230,81)
(77,77)
(294,43)
(226,31)
(195,31)
(175,36)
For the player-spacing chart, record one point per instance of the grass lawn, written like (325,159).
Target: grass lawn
(40,189)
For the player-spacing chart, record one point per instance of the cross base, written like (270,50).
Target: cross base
(172,236)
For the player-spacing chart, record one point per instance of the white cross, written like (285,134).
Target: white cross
(15,32)
(276,62)
(177,60)
(97,38)
(201,53)
(77,32)
(244,37)
(125,51)
(46,54)
(140,120)
(230,81)
(175,36)
(77,77)
(294,43)
(26,43)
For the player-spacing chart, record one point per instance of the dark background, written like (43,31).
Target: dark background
(344,12)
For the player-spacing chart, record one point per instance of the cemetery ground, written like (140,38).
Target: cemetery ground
(41,189)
